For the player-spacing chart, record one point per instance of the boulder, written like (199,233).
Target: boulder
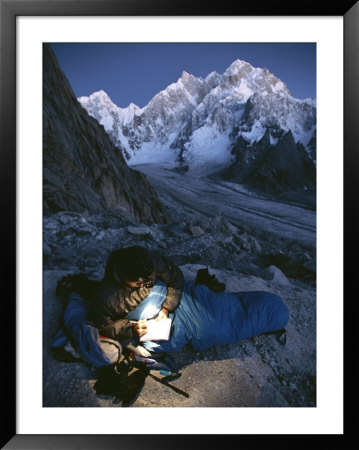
(141,230)
(196,230)
(311,266)
(275,275)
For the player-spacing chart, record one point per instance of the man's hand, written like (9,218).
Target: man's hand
(163,314)
(140,327)
(139,350)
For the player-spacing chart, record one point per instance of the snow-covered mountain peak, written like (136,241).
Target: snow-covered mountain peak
(212,76)
(246,80)
(132,109)
(98,97)
(100,106)
(127,114)
(97,103)
(186,76)
(184,92)
(238,65)
(101,94)
(196,121)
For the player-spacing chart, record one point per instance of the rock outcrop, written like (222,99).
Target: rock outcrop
(82,169)
(275,169)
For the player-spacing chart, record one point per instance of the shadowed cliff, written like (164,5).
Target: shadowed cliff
(82,169)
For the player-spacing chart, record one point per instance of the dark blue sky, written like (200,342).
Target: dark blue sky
(135,72)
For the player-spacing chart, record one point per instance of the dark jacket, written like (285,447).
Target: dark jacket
(113,299)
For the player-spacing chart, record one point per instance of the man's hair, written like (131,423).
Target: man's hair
(130,263)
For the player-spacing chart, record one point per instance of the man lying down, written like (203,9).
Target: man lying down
(138,286)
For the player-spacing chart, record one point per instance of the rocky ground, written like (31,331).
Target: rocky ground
(260,372)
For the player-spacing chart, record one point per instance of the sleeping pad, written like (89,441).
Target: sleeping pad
(205,318)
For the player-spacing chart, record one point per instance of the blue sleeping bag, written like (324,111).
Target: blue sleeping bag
(205,318)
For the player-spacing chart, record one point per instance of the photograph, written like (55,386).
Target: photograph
(174,184)
(179,182)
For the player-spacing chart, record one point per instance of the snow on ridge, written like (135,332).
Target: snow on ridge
(244,89)
(303,136)
(279,86)
(207,151)
(126,115)
(310,101)
(176,87)
(236,65)
(255,134)
(97,96)
(153,152)
(211,75)
(188,76)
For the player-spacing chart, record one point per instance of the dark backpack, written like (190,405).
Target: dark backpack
(205,278)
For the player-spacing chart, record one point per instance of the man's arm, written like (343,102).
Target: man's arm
(118,329)
(108,314)
(168,272)
(123,329)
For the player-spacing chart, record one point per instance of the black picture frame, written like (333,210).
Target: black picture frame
(9,10)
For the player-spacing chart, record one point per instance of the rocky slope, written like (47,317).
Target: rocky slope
(260,372)
(82,169)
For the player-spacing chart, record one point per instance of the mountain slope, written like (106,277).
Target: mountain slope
(82,169)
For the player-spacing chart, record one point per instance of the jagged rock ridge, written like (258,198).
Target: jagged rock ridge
(82,169)
(272,168)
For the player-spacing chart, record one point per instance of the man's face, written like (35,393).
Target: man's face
(141,282)
(135,284)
